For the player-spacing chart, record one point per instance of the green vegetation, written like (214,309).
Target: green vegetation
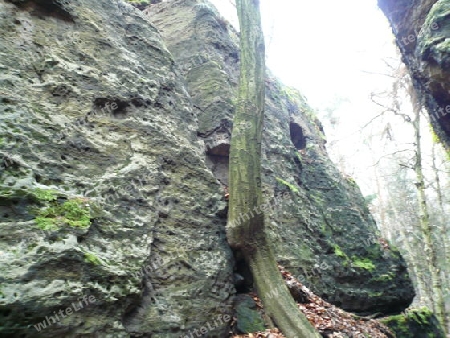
(248,320)
(414,323)
(363,263)
(355,262)
(434,136)
(77,213)
(44,195)
(89,257)
(338,252)
(44,223)
(421,316)
(287,184)
(74,212)
(383,278)
(398,324)
(351,180)
(140,2)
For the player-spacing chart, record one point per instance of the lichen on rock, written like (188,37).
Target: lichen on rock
(414,323)
(115,129)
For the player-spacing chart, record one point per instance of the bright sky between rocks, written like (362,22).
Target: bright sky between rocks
(325,48)
(334,52)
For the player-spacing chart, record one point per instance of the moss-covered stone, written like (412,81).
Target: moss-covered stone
(415,323)
(73,212)
(249,319)
(287,184)
(363,263)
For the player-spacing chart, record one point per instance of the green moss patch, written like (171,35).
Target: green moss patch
(74,212)
(248,317)
(338,252)
(354,261)
(384,278)
(287,184)
(414,323)
(91,258)
(363,263)
(43,195)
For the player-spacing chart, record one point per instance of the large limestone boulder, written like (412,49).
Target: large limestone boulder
(104,190)
(319,222)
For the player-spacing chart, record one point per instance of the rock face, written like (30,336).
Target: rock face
(422,31)
(92,110)
(415,323)
(319,222)
(113,152)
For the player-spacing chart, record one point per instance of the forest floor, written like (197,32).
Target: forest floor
(329,320)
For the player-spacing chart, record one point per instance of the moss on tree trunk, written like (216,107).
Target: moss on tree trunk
(245,229)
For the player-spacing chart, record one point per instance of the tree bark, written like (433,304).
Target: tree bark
(442,225)
(246,228)
(425,224)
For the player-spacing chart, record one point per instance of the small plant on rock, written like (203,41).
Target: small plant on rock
(74,212)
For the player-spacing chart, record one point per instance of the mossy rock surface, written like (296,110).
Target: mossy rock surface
(312,207)
(104,189)
(249,319)
(98,104)
(423,34)
(415,323)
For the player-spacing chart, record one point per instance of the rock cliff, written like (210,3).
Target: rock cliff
(320,225)
(115,128)
(422,31)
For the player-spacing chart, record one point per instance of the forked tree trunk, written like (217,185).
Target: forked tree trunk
(245,229)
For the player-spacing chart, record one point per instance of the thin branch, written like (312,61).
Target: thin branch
(395,152)
(382,74)
(388,109)
(373,119)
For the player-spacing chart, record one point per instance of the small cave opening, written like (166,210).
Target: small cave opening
(117,108)
(219,167)
(297,137)
(40,8)
(217,157)
(243,279)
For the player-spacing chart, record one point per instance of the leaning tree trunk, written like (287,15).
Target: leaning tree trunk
(245,229)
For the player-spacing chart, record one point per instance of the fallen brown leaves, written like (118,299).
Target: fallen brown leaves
(272,333)
(329,320)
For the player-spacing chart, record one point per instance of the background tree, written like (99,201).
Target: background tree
(407,171)
(246,228)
